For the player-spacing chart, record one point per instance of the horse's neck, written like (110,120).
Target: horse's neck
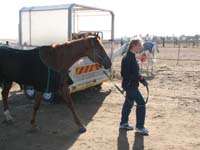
(62,57)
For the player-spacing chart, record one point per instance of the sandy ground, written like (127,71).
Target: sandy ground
(173,114)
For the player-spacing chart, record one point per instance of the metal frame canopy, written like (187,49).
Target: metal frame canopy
(32,24)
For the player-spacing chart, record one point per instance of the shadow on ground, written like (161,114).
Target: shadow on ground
(57,128)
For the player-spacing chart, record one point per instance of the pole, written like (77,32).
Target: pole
(179,49)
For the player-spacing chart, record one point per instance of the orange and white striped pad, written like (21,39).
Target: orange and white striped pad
(86,69)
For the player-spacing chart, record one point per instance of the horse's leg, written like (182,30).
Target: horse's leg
(152,60)
(147,57)
(21,87)
(67,98)
(38,99)
(141,66)
(5,91)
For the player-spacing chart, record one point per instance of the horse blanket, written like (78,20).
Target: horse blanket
(148,46)
(26,67)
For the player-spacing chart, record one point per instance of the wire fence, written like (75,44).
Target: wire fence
(176,59)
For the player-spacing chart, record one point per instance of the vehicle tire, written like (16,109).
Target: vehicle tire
(98,87)
(29,91)
(49,97)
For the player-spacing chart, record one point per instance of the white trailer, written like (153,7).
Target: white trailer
(44,25)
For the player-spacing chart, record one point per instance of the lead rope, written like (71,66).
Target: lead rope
(118,88)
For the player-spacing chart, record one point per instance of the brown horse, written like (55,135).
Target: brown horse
(52,61)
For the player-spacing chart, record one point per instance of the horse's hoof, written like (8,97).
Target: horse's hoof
(10,121)
(34,129)
(82,129)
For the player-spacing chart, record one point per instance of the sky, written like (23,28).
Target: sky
(132,17)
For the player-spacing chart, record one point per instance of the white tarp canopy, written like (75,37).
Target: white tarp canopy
(43,25)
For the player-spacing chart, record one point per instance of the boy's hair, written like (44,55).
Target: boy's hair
(133,43)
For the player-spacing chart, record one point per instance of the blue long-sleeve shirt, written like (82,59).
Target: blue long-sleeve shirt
(130,70)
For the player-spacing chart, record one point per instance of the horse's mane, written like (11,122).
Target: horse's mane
(55,45)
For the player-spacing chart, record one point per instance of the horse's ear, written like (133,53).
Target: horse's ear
(54,44)
(97,35)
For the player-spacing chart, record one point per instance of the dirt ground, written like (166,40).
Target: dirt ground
(173,113)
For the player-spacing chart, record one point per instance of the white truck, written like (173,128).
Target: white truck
(44,25)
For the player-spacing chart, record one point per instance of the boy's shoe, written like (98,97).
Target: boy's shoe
(126,126)
(143,131)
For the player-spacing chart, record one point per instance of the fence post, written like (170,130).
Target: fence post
(179,49)
(163,41)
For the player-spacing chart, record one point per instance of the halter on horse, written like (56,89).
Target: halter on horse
(46,67)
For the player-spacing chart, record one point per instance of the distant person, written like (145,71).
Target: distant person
(130,82)
(7,43)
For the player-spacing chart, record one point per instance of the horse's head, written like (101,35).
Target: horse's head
(96,51)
